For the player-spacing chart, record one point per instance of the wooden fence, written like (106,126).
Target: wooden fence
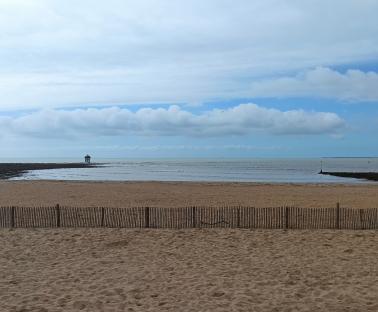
(190,217)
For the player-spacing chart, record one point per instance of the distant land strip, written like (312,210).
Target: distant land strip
(12,170)
(372,176)
(351,157)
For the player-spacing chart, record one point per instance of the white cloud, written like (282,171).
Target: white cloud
(60,53)
(173,121)
(187,147)
(354,85)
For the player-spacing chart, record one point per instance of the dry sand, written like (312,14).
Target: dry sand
(177,194)
(188,270)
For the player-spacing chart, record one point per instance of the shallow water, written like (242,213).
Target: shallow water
(231,170)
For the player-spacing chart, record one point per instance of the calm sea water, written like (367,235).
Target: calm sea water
(240,170)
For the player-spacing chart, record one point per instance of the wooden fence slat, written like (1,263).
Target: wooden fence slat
(5,217)
(337,221)
(13,219)
(286,217)
(362,221)
(147,217)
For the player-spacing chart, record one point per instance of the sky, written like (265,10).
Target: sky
(173,79)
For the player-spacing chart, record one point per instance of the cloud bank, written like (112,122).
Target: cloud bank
(173,121)
(354,85)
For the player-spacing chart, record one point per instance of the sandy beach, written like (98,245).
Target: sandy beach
(188,156)
(179,194)
(188,270)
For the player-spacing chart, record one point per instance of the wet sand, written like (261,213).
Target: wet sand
(188,270)
(179,194)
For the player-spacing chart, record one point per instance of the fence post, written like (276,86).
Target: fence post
(12,217)
(238,217)
(194,221)
(338,215)
(102,216)
(57,208)
(361,219)
(286,218)
(147,217)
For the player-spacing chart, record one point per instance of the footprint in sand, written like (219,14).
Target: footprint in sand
(218,294)
(80,305)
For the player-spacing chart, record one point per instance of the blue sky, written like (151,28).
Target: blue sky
(163,78)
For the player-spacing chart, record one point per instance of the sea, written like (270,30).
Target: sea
(263,170)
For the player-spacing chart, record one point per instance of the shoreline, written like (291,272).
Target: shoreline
(183,182)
